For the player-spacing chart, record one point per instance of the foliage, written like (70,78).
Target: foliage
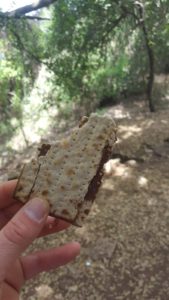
(21,46)
(78,42)
(96,51)
(99,47)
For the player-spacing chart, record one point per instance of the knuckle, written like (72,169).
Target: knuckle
(15,232)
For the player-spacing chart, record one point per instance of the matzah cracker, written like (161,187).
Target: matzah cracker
(26,181)
(69,175)
(29,173)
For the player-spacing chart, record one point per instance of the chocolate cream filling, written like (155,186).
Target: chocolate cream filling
(97,179)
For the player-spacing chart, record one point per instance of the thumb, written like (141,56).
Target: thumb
(21,230)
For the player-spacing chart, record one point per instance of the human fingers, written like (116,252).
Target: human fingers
(20,231)
(49,259)
(6,193)
(7,292)
(8,212)
(52,224)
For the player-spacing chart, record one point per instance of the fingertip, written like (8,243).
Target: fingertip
(75,247)
(6,193)
(36,209)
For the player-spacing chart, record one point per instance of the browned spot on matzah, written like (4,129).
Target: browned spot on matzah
(44,193)
(100,137)
(65,212)
(58,161)
(96,146)
(75,186)
(70,172)
(65,144)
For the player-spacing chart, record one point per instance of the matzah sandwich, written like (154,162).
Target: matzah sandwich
(68,173)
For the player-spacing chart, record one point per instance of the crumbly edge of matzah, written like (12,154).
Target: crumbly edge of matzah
(26,181)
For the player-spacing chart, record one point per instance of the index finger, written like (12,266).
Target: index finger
(6,193)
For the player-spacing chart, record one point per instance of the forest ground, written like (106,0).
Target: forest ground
(125,241)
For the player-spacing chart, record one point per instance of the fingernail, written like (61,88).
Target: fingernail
(36,209)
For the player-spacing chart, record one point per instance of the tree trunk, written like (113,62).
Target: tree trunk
(150,82)
(150,54)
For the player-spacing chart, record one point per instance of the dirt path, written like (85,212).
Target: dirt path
(125,243)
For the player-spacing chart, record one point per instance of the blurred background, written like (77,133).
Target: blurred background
(60,60)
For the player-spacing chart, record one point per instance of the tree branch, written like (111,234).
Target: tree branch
(29,8)
(102,40)
(114,24)
(22,47)
(4,16)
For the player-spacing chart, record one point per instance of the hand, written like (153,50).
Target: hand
(19,226)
